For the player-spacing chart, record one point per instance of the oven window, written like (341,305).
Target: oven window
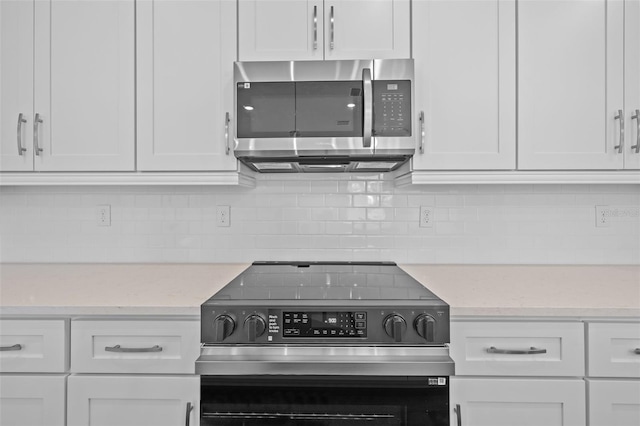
(321,402)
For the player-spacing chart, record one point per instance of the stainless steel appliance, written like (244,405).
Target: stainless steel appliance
(324,343)
(313,116)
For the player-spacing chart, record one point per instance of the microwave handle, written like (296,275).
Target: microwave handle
(368,107)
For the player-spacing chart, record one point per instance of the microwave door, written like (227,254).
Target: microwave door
(330,117)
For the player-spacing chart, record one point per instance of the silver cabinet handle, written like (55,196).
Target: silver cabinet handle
(315,27)
(36,142)
(636,117)
(226,132)
(21,119)
(530,351)
(621,118)
(188,418)
(368,107)
(118,348)
(636,351)
(16,347)
(331,28)
(458,412)
(422,131)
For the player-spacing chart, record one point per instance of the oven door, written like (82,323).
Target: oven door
(324,385)
(324,401)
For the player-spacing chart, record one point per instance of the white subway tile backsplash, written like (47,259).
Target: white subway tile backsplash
(319,217)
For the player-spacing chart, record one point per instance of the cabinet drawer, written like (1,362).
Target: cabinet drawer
(134,346)
(33,346)
(614,349)
(518,348)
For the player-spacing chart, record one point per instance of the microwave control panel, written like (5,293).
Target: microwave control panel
(391,108)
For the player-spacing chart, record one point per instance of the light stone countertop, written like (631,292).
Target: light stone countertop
(534,290)
(180,289)
(111,289)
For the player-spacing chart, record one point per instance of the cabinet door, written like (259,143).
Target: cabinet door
(84,85)
(185,56)
(367,29)
(522,402)
(632,83)
(32,400)
(614,402)
(280,30)
(465,58)
(133,400)
(16,85)
(570,84)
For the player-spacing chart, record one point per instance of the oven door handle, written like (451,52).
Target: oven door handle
(246,361)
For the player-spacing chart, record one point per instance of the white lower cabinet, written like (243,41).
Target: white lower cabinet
(517,401)
(613,384)
(134,371)
(518,372)
(110,400)
(32,400)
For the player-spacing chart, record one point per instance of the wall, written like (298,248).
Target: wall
(319,217)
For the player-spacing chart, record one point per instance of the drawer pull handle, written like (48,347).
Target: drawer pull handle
(530,351)
(118,348)
(636,351)
(16,347)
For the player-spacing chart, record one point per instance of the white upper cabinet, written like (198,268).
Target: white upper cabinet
(632,84)
(570,84)
(84,90)
(280,30)
(364,29)
(316,30)
(68,68)
(185,52)
(465,58)
(16,85)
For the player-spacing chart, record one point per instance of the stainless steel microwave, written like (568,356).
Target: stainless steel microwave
(315,116)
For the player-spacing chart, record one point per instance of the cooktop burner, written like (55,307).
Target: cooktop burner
(354,303)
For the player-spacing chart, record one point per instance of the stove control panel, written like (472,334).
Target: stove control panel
(325,324)
(310,325)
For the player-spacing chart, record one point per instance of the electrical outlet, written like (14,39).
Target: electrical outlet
(426,217)
(606,215)
(103,215)
(223,217)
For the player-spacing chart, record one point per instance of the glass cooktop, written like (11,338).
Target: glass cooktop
(315,281)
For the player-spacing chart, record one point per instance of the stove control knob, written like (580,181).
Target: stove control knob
(255,327)
(395,326)
(425,326)
(223,327)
